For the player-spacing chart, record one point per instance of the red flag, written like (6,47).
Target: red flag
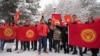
(67,18)
(17,14)
(85,35)
(1,34)
(56,18)
(9,33)
(97,19)
(29,33)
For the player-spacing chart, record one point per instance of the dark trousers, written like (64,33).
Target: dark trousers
(71,47)
(26,45)
(85,50)
(80,51)
(16,44)
(64,41)
(42,43)
(22,44)
(56,44)
(50,43)
(74,48)
(34,45)
(94,52)
(66,50)
(64,46)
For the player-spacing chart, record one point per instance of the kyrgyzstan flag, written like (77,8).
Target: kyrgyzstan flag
(27,33)
(85,35)
(67,18)
(9,33)
(1,32)
(56,18)
(17,14)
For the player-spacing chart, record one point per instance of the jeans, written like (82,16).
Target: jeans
(42,42)
(2,43)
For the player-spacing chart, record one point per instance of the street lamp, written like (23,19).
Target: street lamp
(54,5)
(54,9)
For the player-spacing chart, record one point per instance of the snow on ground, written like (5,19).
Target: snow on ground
(35,53)
(32,53)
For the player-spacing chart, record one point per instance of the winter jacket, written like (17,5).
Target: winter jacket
(56,34)
(42,29)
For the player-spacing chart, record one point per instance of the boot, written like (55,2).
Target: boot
(75,52)
(81,54)
(67,51)
(10,50)
(16,49)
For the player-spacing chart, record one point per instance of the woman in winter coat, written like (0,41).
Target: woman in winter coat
(57,37)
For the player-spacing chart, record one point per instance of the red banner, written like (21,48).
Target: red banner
(67,18)
(56,18)
(17,14)
(1,34)
(27,34)
(8,33)
(85,35)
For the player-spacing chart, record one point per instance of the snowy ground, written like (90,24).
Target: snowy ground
(35,53)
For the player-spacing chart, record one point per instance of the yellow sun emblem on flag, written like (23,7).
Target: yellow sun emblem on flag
(57,22)
(68,20)
(8,32)
(88,35)
(30,34)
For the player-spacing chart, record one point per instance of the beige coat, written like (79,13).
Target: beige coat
(56,34)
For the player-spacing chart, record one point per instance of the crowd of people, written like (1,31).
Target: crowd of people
(57,37)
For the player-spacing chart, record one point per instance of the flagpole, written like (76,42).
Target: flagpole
(54,6)
(54,9)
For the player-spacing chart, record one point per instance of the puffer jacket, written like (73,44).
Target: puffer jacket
(56,34)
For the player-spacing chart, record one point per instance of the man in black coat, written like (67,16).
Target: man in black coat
(50,35)
(64,38)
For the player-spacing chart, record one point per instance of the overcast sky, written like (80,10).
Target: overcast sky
(43,3)
(98,0)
